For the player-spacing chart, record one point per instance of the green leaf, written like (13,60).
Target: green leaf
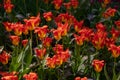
(28,55)
(14,64)
(118,78)
(106,74)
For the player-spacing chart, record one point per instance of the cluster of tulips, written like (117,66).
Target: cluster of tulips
(41,51)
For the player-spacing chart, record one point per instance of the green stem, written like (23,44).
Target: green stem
(17,50)
(106,73)
(98,76)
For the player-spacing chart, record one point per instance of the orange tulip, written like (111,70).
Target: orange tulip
(48,16)
(9,78)
(79,39)
(62,57)
(41,31)
(7,26)
(58,59)
(67,5)
(31,76)
(40,53)
(57,4)
(99,39)
(17,27)
(32,22)
(110,12)
(15,40)
(47,41)
(51,62)
(86,33)
(57,34)
(98,65)
(58,48)
(65,55)
(64,28)
(8,7)
(24,42)
(115,34)
(77,78)
(65,18)
(78,25)
(115,50)
(25,29)
(100,27)
(74,3)
(109,41)
(9,75)
(85,78)
(4,57)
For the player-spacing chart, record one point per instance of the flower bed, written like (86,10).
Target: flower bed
(60,40)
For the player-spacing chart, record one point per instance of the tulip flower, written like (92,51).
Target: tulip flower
(57,34)
(74,3)
(30,76)
(109,41)
(78,25)
(64,28)
(51,62)
(110,12)
(9,75)
(100,27)
(7,26)
(17,28)
(99,39)
(48,16)
(115,34)
(86,33)
(32,22)
(4,57)
(47,41)
(24,42)
(115,50)
(58,59)
(78,78)
(79,39)
(9,78)
(25,30)
(98,65)
(40,53)
(67,5)
(15,40)
(8,7)
(57,4)
(41,31)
